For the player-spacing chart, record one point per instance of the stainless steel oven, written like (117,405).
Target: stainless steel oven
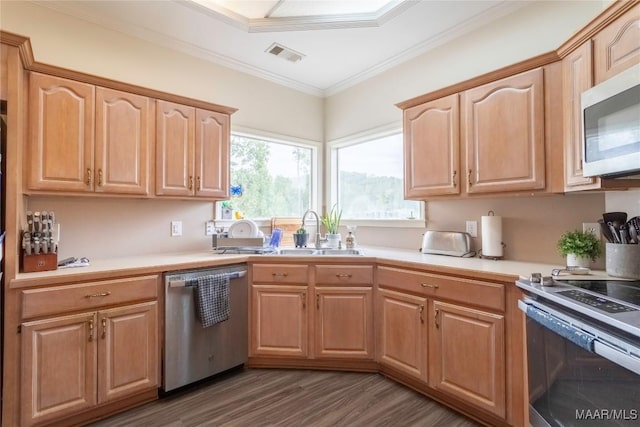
(583,352)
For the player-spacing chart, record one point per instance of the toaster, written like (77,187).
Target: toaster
(452,243)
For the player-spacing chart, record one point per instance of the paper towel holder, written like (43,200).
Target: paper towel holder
(492,257)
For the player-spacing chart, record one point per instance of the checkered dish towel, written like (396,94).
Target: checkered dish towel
(212,299)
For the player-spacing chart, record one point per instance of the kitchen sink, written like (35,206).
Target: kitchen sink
(318,252)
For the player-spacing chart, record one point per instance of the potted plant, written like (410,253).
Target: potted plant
(331,222)
(579,247)
(300,238)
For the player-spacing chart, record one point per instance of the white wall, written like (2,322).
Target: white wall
(61,40)
(536,29)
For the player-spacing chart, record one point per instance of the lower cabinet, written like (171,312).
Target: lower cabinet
(344,322)
(87,345)
(279,320)
(75,362)
(304,312)
(467,355)
(402,332)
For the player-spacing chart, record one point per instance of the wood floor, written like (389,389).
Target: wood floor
(270,397)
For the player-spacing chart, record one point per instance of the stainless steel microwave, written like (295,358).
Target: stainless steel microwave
(611,126)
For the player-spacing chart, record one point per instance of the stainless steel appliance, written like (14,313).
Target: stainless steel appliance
(583,351)
(611,126)
(452,243)
(192,352)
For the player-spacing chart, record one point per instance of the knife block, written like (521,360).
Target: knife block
(39,262)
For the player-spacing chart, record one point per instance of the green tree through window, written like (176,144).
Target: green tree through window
(276,177)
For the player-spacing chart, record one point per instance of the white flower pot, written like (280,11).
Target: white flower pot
(333,240)
(574,260)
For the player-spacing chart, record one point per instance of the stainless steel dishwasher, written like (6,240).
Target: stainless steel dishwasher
(191,352)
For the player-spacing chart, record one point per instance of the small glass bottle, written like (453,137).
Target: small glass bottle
(350,240)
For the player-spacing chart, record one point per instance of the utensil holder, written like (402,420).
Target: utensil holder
(623,260)
(39,262)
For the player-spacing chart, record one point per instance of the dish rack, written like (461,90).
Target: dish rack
(221,243)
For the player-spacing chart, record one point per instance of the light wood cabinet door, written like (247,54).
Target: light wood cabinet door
(402,332)
(279,325)
(128,350)
(617,46)
(467,355)
(175,125)
(124,131)
(503,133)
(59,367)
(431,148)
(61,132)
(344,322)
(577,74)
(212,154)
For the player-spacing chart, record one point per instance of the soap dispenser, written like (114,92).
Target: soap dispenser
(350,241)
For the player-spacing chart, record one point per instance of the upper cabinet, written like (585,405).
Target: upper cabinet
(85,138)
(61,134)
(489,138)
(503,134)
(610,51)
(617,46)
(124,137)
(192,152)
(88,139)
(432,148)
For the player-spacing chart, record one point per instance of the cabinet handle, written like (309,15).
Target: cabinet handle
(198,184)
(104,328)
(101,294)
(90,330)
(88,176)
(453,178)
(304,300)
(428,285)
(421,313)
(436,318)
(280,274)
(100,177)
(318,301)
(190,182)
(343,275)
(469,178)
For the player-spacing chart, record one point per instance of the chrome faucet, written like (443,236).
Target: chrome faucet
(319,240)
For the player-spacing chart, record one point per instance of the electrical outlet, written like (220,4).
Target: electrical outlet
(591,227)
(209,228)
(176,228)
(472,228)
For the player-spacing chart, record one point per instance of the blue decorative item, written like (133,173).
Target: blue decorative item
(236,190)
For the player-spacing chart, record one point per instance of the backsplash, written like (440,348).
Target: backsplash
(101,228)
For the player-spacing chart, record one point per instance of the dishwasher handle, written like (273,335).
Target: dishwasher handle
(181,283)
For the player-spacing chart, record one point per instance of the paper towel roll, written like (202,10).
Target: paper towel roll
(492,236)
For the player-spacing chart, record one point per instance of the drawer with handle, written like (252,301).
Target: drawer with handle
(87,296)
(280,273)
(484,294)
(344,274)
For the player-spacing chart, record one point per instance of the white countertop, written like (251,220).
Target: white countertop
(153,264)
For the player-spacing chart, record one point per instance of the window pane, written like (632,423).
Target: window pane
(275,177)
(370,180)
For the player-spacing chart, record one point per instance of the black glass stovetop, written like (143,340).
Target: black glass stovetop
(622,290)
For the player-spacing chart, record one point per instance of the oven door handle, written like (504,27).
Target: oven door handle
(567,331)
(628,357)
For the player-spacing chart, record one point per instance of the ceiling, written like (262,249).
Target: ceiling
(340,43)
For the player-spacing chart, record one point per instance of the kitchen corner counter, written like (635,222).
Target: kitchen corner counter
(498,270)
(127,266)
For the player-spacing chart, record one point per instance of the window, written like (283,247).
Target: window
(278,178)
(368,179)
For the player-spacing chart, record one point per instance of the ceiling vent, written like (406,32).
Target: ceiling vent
(284,52)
